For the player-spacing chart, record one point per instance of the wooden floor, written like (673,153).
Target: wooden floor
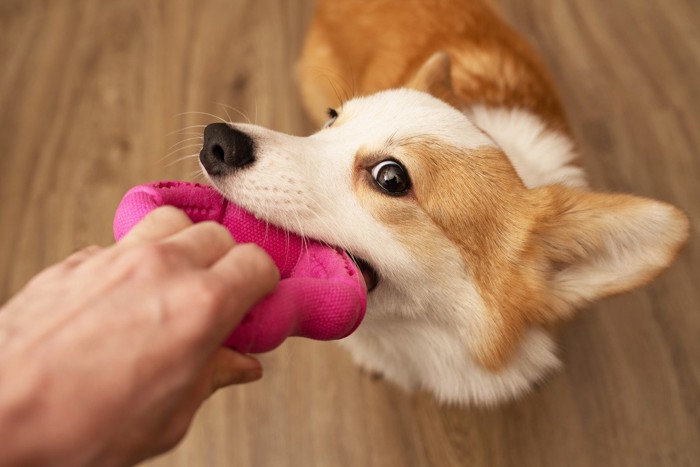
(92,91)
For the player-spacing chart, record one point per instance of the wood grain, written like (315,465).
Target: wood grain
(90,93)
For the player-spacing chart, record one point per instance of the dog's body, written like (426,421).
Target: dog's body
(461,194)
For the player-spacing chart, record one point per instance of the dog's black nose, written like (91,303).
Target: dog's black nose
(225,149)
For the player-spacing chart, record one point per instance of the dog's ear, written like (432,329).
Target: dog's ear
(582,246)
(592,245)
(435,77)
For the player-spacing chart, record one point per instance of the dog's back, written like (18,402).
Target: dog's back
(358,48)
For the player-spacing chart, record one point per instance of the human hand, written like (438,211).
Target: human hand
(107,355)
(321,294)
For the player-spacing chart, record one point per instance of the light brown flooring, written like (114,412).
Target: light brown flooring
(90,92)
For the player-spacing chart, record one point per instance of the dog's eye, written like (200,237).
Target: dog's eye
(332,116)
(391,177)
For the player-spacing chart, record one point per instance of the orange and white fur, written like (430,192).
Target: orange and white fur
(496,236)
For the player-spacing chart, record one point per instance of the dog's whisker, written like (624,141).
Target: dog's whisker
(304,240)
(204,113)
(235,110)
(324,215)
(187,134)
(352,82)
(299,232)
(288,237)
(191,175)
(181,159)
(201,138)
(343,83)
(335,90)
(266,215)
(227,115)
(198,176)
(189,127)
(171,153)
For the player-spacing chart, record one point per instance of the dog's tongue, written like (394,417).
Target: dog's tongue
(321,294)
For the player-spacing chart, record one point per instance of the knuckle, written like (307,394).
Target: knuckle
(151,253)
(151,258)
(215,233)
(207,297)
(208,291)
(90,250)
(75,259)
(260,264)
(169,214)
(86,253)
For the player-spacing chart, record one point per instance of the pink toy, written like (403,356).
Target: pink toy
(321,294)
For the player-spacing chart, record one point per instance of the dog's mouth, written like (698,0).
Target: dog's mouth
(369,274)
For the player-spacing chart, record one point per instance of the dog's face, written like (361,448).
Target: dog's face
(445,229)
(359,183)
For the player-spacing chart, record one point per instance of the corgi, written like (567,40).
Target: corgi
(451,175)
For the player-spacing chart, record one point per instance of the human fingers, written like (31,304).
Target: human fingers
(318,308)
(158,224)
(245,274)
(203,244)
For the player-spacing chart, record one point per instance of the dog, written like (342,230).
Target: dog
(452,177)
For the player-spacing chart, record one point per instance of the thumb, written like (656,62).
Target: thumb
(224,368)
(227,367)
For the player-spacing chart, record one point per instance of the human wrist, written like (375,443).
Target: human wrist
(30,434)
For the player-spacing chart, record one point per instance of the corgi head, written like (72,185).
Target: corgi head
(446,230)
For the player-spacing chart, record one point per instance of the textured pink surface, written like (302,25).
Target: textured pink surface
(321,295)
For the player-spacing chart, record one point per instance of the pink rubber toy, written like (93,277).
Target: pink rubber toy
(321,294)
